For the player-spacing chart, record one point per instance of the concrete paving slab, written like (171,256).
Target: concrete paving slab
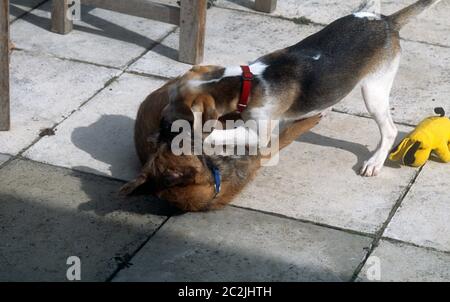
(99,137)
(231,39)
(323,11)
(102,37)
(423,217)
(422,83)
(18,8)
(49,214)
(162,60)
(4,158)
(317,178)
(44,90)
(405,263)
(241,245)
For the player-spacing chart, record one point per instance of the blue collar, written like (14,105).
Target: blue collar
(217,178)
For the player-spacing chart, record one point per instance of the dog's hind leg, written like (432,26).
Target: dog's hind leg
(376,89)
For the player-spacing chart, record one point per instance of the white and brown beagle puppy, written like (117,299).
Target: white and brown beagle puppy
(306,79)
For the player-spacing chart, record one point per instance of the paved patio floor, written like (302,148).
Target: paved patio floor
(310,218)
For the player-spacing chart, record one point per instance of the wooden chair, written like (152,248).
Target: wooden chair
(266,6)
(4,65)
(190,17)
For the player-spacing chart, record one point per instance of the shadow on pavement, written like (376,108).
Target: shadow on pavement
(99,27)
(361,152)
(110,141)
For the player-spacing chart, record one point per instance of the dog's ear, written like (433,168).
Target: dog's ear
(179,177)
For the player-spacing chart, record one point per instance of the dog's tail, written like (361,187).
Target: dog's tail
(404,16)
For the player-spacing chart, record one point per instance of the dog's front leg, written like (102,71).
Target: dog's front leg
(376,90)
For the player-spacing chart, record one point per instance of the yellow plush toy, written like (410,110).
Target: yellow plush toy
(432,134)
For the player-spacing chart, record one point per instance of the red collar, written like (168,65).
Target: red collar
(247,79)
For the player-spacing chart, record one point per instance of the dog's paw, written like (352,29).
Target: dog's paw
(372,167)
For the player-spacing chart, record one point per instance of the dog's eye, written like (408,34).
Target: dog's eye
(165,125)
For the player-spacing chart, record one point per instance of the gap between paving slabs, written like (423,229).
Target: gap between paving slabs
(379,234)
(127,261)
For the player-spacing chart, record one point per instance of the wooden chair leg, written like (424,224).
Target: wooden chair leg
(266,6)
(61,20)
(4,66)
(192,31)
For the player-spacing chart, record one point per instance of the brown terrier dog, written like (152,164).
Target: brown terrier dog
(189,181)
